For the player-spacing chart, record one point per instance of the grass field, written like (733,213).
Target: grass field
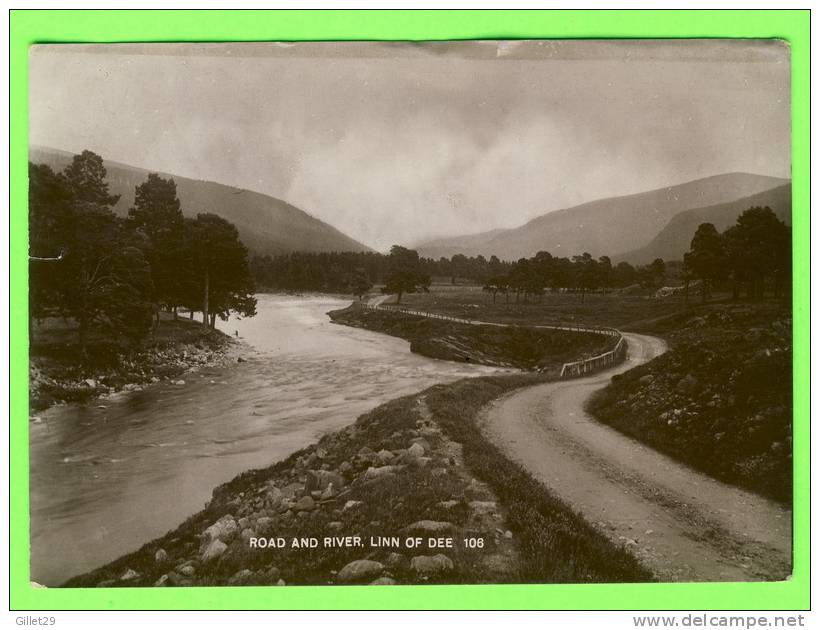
(620,311)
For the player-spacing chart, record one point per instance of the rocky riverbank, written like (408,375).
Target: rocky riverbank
(412,493)
(57,376)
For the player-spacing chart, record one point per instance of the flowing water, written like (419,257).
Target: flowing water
(112,474)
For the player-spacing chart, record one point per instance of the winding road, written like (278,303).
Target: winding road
(683,525)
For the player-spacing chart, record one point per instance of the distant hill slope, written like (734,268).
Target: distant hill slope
(607,226)
(266,225)
(676,237)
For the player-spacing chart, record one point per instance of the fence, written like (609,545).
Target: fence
(574,369)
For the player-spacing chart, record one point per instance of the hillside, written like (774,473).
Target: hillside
(267,225)
(609,226)
(675,238)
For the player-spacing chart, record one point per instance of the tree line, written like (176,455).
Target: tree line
(357,272)
(751,255)
(116,274)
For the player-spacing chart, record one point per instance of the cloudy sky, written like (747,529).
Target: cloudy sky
(398,142)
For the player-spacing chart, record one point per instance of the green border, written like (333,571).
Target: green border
(29,27)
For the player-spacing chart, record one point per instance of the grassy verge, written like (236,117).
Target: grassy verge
(520,347)
(414,466)
(719,400)
(57,375)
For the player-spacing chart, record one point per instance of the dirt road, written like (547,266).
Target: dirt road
(683,525)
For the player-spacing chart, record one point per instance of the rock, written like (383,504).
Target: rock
(187,570)
(271,575)
(243,522)
(214,550)
(417,450)
(129,575)
(360,571)
(448,505)
(321,479)
(351,505)
(90,382)
(483,507)
(508,534)
(430,527)
(246,534)
(281,582)
(431,565)
(274,496)
(345,467)
(160,556)
(224,529)
(646,379)
(305,504)
(316,495)
(264,524)
(179,382)
(383,581)
(380,472)
(328,493)
(163,579)
(242,578)
(335,526)
(384,456)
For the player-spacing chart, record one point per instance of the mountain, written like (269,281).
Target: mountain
(674,239)
(266,225)
(607,226)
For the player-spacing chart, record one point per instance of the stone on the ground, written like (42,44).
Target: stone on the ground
(129,575)
(305,504)
(430,527)
(379,472)
(163,579)
(160,556)
(416,450)
(360,571)
(383,581)
(187,570)
(384,456)
(224,529)
(321,479)
(214,550)
(264,524)
(428,566)
(350,505)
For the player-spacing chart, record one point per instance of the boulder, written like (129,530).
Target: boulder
(687,384)
(160,556)
(273,496)
(383,581)
(646,379)
(129,575)
(318,480)
(305,504)
(163,579)
(187,570)
(224,529)
(351,505)
(360,571)
(214,550)
(379,472)
(264,524)
(384,456)
(428,566)
(416,450)
(430,527)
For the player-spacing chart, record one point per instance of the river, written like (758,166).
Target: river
(112,474)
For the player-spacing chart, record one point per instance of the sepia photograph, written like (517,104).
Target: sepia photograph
(399,313)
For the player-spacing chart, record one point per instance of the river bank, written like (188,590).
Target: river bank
(57,376)
(413,467)
(504,346)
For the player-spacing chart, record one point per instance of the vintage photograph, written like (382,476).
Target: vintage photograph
(388,313)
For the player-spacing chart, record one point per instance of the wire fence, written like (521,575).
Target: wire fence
(573,369)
